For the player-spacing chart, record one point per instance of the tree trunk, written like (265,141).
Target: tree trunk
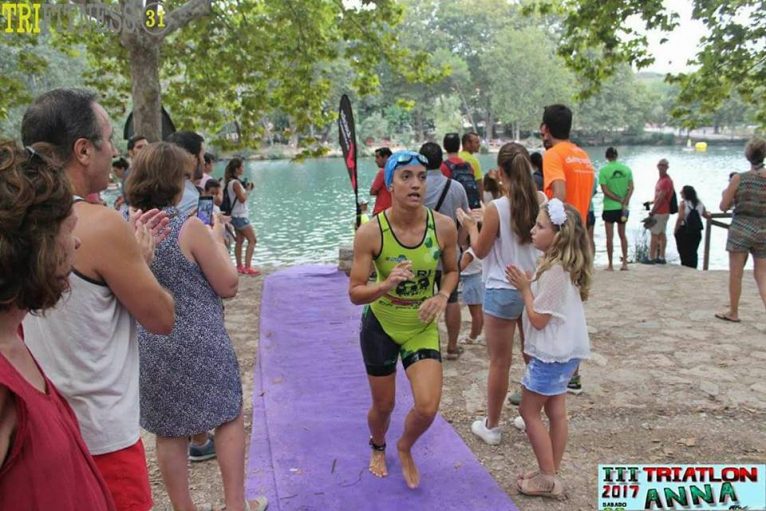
(488,125)
(466,107)
(419,130)
(144,57)
(293,140)
(326,134)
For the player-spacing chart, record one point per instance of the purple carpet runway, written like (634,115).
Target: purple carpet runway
(309,444)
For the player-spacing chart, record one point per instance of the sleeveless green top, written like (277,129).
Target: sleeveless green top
(397,310)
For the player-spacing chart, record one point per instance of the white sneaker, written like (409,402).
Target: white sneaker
(492,436)
(518,423)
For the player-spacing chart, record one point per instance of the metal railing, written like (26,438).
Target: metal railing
(709,223)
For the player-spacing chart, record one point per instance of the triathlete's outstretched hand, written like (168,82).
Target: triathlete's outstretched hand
(400,273)
(432,308)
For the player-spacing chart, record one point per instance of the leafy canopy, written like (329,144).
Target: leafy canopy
(597,37)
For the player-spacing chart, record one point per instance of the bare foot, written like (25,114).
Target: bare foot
(378,463)
(624,267)
(409,470)
(727,316)
(260,503)
(609,268)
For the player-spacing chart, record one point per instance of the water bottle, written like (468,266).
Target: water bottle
(624,216)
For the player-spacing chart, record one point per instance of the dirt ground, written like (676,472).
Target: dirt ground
(667,383)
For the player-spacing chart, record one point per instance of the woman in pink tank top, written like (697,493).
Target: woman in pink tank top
(44,463)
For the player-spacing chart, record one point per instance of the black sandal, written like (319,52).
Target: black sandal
(380,448)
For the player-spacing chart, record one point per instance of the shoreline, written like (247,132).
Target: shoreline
(286,152)
(667,382)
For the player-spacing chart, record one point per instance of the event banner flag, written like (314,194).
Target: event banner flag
(347,136)
(624,487)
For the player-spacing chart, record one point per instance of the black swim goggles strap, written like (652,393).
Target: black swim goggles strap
(380,448)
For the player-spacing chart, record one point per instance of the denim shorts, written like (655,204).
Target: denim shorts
(473,289)
(240,222)
(503,303)
(548,378)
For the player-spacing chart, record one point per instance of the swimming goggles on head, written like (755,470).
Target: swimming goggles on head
(406,157)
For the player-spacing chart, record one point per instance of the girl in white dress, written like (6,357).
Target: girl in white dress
(556,337)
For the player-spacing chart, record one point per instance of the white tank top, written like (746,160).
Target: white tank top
(239,208)
(506,250)
(88,348)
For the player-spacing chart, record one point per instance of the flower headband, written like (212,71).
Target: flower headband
(556,212)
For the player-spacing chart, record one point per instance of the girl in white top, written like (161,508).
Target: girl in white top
(238,194)
(556,337)
(505,238)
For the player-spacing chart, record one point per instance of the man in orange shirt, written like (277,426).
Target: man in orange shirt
(567,171)
(568,175)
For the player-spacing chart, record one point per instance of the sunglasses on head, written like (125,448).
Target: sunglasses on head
(32,153)
(405,158)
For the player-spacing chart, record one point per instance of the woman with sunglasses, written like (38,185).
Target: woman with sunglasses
(405,243)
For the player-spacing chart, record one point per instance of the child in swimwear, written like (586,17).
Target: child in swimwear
(556,337)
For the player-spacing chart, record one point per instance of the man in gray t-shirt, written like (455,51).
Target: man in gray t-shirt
(445,196)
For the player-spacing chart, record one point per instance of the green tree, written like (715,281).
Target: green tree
(621,104)
(661,97)
(217,61)
(524,74)
(732,55)
(28,67)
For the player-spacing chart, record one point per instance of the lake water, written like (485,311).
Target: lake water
(303,211)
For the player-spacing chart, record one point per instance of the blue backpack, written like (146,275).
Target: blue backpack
(463,173)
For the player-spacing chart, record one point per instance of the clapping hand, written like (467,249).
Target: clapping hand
(518,278)
(155,220)
(464,218)
(478,213)
(146,241)
(474,217)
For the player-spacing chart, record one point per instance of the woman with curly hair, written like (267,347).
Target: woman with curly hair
(44,462)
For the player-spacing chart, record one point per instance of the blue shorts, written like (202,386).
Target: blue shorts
(503,303)
(473,289)
(240,222)
(548,378)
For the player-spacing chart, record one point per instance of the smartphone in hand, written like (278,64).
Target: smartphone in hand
(205,210)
